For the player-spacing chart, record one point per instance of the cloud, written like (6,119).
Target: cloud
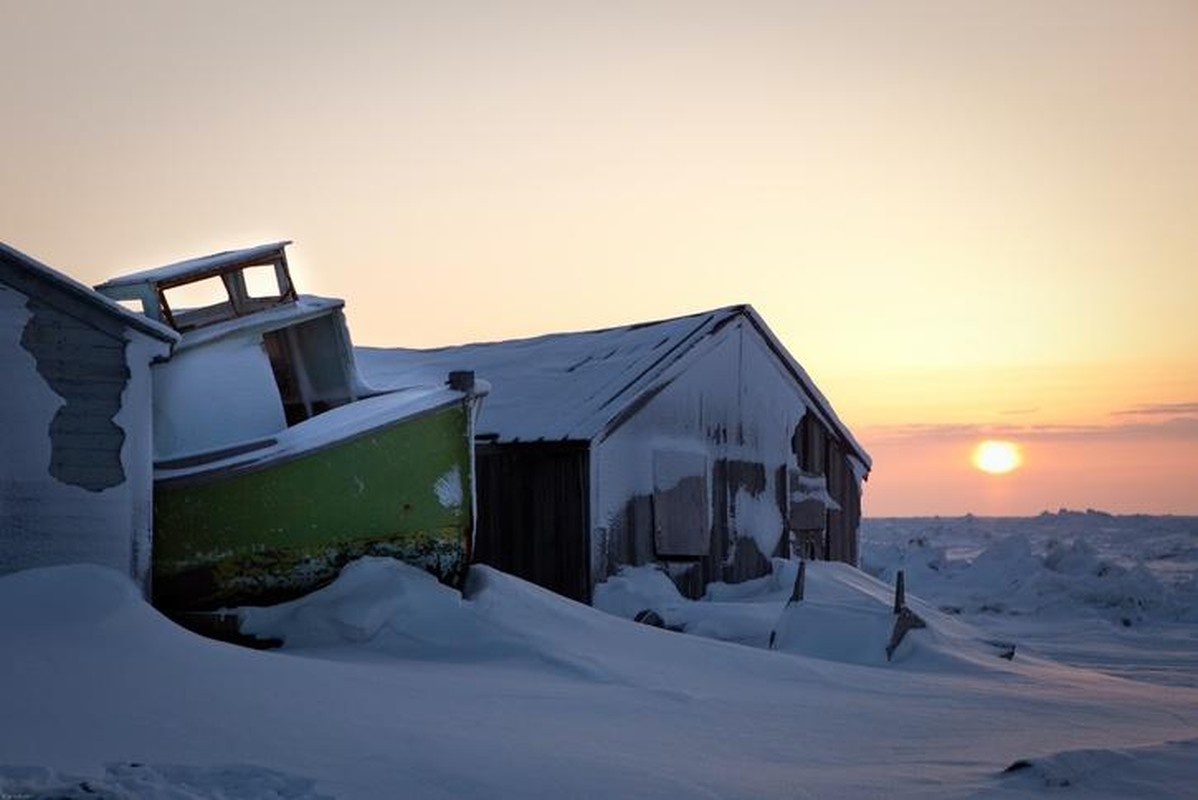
(1159,410)
(1174,428)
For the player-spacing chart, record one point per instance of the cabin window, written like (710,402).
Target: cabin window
(197,303)
(136,306)
(261,282)
(310,369)
(680,506)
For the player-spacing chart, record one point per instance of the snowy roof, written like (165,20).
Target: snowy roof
(29,266)
(196,268)
(574,386)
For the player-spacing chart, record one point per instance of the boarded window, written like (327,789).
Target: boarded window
(807,505)
(680,512)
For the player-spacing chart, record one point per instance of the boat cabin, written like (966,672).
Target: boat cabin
(234,283)
(255,356)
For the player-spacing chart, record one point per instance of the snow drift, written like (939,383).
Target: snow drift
(391,685)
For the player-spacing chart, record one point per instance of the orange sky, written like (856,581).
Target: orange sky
(961,217)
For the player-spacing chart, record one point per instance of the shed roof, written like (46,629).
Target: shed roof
(23,271)
(203,266)
(566,386)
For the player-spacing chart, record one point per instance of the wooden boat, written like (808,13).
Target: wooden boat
(275,464)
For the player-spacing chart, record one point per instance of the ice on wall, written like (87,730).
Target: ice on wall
(814,487)
(757,517)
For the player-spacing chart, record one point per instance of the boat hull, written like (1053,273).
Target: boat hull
(275,529)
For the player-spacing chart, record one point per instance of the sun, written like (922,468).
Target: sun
(997,457)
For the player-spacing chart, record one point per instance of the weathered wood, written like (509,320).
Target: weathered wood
(680,508)
(796,594)
(907,620)
(533,513)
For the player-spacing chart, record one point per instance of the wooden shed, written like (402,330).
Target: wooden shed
(697,442)
(75,423)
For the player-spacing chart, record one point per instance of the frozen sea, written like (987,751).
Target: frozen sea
(1059,659)
(1115,593)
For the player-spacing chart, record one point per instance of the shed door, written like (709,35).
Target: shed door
(534,514)
(680,511)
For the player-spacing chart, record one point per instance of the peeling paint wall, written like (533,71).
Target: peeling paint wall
(87,370)
(75,473)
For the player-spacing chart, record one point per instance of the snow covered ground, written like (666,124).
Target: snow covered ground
(1118,594)
(391,685)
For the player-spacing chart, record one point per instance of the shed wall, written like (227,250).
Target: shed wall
(733,406)
(75,477)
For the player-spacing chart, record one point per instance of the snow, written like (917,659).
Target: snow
(448,488)
(391,684)
(196,266)
(333,426)
(815,487)
(558,386)
(572,385)
(306,307)
(757,516)
(1116,593)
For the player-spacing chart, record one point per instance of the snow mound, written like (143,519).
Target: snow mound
(1164,771)
(742,613)
(846,616)
(1009,577)
(1114,593)
(134,781)
(582,703)
(379,603)
(383,608)
(636,589)
(54,600)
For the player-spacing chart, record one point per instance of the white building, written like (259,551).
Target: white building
(76,468)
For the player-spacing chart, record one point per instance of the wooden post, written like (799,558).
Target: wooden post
(796,593)
(907,619)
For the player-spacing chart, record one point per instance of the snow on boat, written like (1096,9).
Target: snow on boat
(274,463)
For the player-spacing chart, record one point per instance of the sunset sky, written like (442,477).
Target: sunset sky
(967,220)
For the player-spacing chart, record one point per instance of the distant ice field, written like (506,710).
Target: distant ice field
(1114,593)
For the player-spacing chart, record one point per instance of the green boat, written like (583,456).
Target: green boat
(274,463)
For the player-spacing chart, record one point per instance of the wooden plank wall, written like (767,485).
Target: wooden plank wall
(533,513)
